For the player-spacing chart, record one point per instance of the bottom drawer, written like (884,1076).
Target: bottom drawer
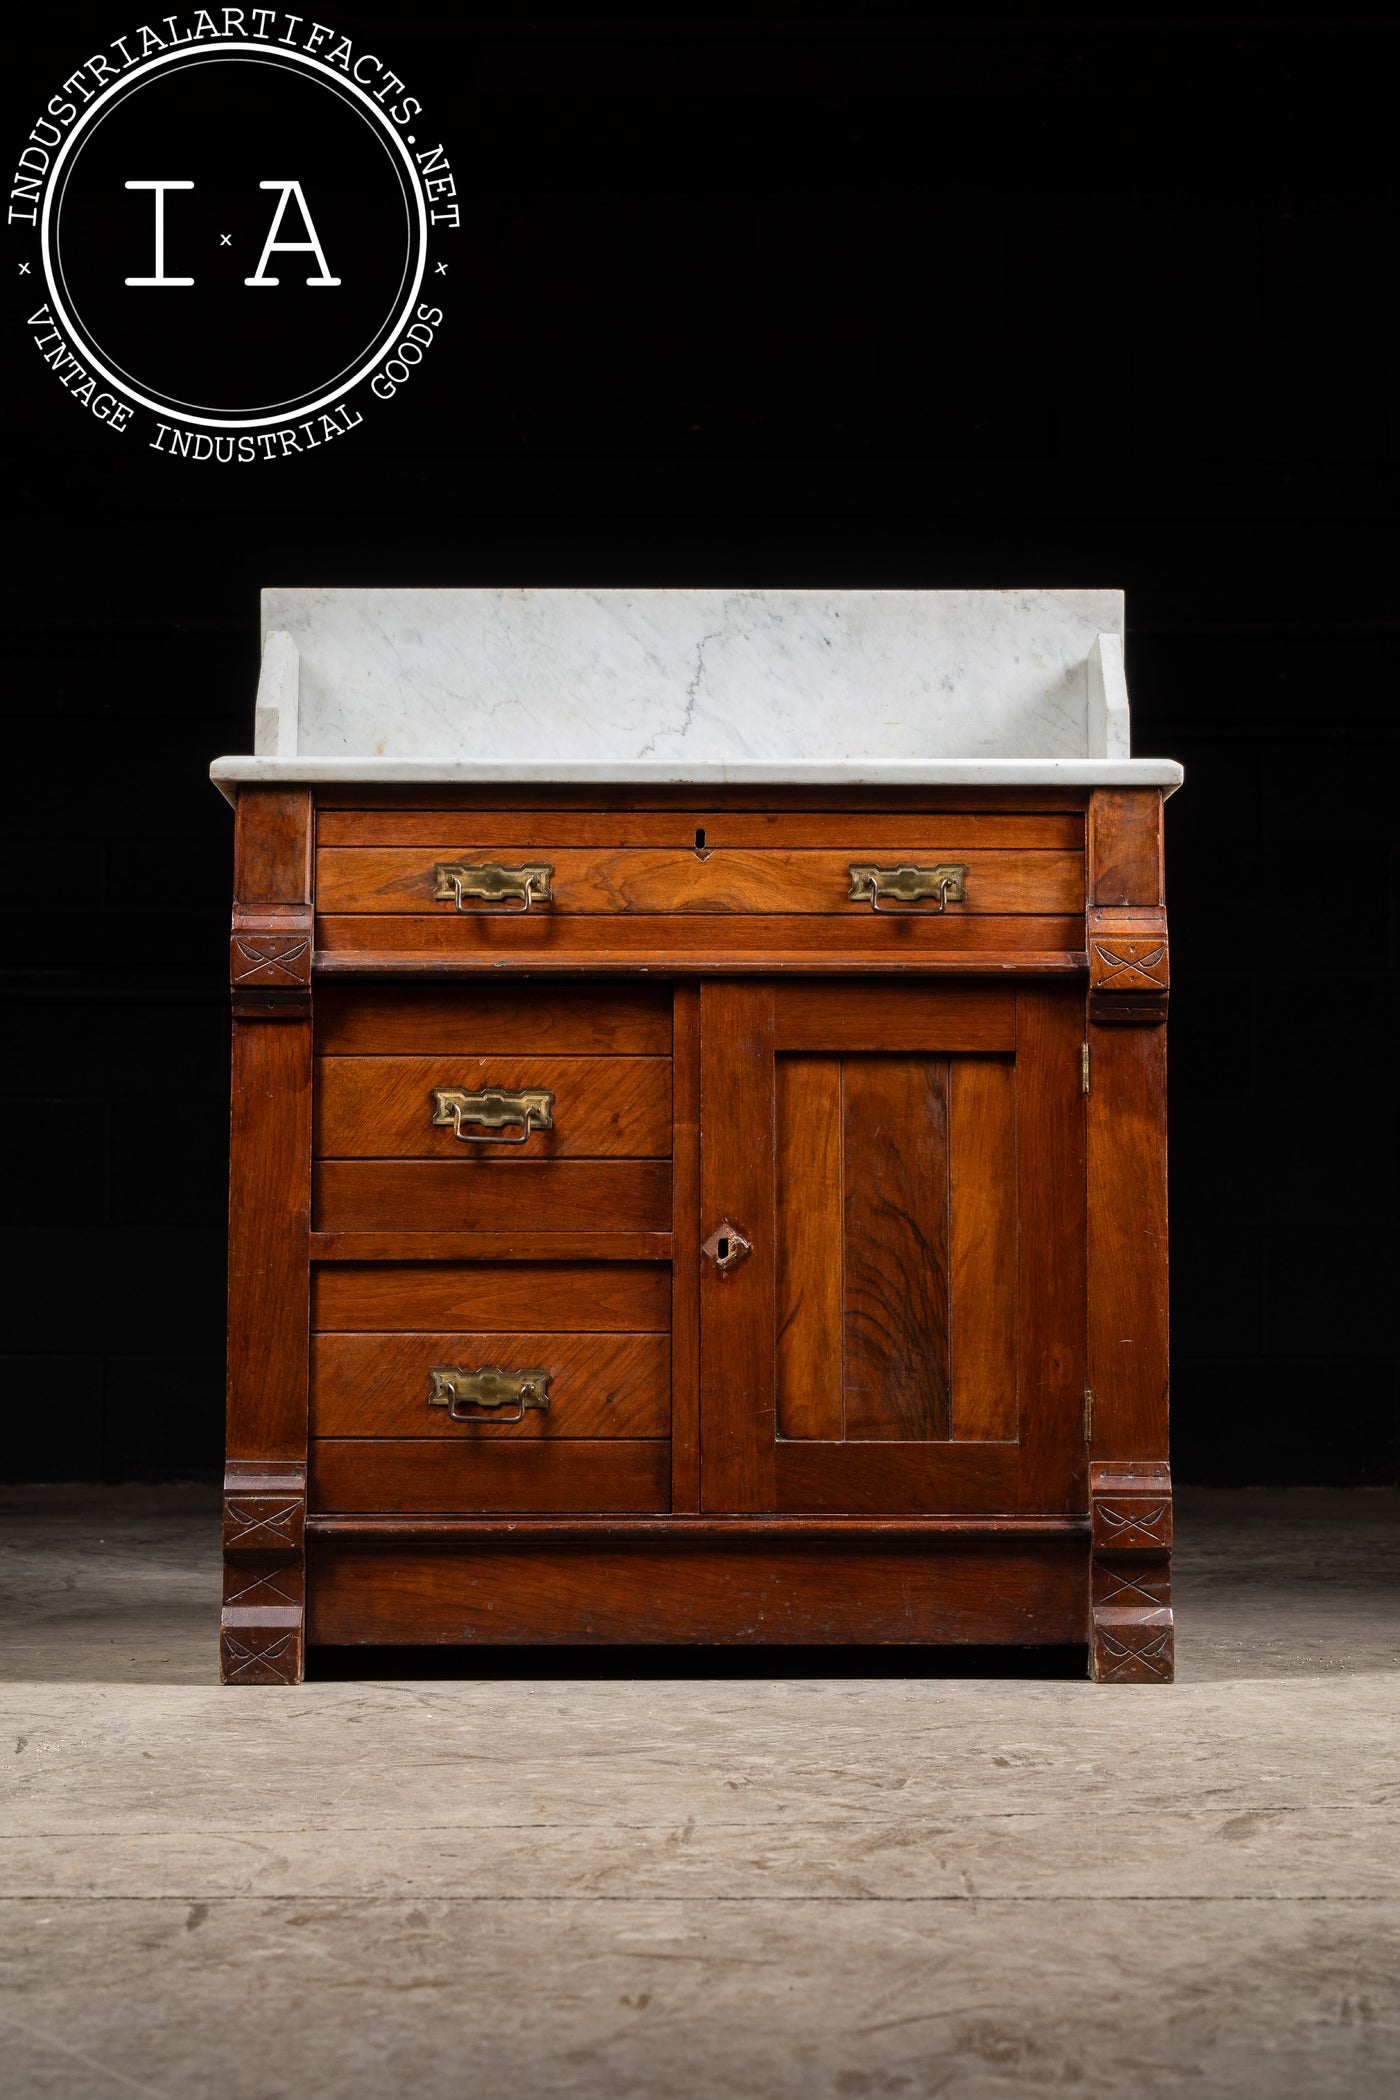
(412,1476)
(599,1385)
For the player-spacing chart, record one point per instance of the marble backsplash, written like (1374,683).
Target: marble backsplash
(693,677)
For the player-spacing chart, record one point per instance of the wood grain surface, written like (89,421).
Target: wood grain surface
(897,1479)
(808,1219)
(1125,847)
(582,1298)
(834,1014)
(492,1194)
(894,1145)
(1005,1590)
(685,1255)
(512,1245)
(477,833)
(736,1186)
(732,879)
(601,1385)
(684,942)
(596,1018)
(430,1476)
(983,1247)
(1050,1201)
(604,1107)
(754,798)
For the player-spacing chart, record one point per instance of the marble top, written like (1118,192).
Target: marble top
(693,685)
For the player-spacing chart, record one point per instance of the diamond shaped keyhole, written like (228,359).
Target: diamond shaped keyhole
(726,1247)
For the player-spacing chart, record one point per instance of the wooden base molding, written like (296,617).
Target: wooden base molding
(779,1587)
(1132,1631)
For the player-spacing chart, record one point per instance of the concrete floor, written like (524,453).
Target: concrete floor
(568,1884)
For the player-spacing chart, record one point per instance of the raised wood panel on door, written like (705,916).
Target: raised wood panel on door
(580,1297)
(488,1193)
(601,1385)
(596,1018)
(400,1476)
(895,1343)
(396,879)
(604,1107)
(699,830)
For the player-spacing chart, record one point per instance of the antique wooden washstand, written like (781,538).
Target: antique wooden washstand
(698,1126)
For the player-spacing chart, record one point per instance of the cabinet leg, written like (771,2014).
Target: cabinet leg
(262,1630)
(1131,1632)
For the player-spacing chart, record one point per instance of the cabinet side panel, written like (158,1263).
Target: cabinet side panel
(269,1219)
(1128,1241)
(269,1226)
(1050,1173)
(272,846)
(1125,847)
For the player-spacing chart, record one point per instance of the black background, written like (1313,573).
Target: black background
(871,300)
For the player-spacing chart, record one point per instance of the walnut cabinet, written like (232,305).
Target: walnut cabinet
(681,1217)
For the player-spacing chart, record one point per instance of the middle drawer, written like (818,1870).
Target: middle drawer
(438,1114)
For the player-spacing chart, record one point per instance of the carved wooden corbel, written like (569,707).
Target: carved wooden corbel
(1129,965)
(270,961)
(261,1631)
(1132,1632)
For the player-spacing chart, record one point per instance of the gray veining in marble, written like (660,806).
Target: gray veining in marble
(710,676)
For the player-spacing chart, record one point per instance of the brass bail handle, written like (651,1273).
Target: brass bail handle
(909,885)
(495,1110)
(492,883)
(454,1387)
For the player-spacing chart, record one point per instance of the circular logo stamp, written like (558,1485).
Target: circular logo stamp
(229,224)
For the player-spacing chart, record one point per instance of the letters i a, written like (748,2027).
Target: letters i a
(271,246)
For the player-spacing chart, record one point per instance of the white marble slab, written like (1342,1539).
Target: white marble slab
(841,687)
(228,774)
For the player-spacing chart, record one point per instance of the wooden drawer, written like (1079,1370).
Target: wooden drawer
(602,1331)
(600,1385)
(398,1476)
(769,880)
(491,1195)
(603,1107)
(601,1049)
(418,1297)
(598,1018)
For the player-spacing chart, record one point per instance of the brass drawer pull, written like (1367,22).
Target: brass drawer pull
(452,1108)
(908,885)
(453,880)
(455,1388)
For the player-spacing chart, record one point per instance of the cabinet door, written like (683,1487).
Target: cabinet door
(893,1199)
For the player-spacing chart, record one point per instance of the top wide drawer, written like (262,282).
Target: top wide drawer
(771,880)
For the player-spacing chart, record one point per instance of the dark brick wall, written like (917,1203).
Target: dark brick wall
(860,303)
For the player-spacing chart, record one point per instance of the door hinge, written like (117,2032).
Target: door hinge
(1084,1068)
(1088,1416)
